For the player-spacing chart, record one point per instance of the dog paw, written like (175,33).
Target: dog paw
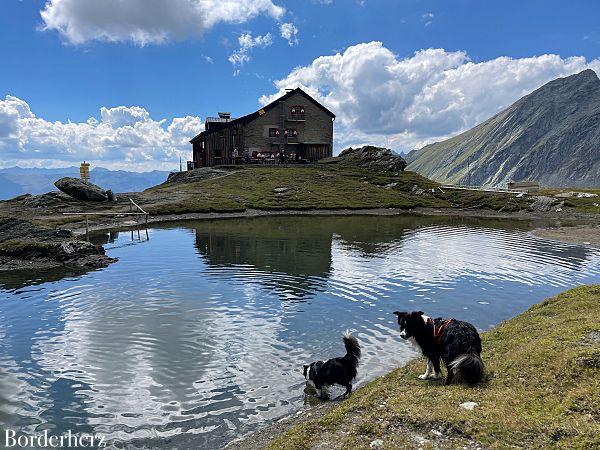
(425,376)
(436,376)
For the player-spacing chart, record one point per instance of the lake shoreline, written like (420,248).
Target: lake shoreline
(375,416)
(576,227)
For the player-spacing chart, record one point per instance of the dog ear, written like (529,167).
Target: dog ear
(306,366)
(401,315)
(420,313)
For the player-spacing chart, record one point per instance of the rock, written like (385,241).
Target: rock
(390,185)
(575,194)
(81,190)
(416,190)
(469,406)
(192,176)
(542,203)
(11,229)
(373,158)
(281,190)
(24,245)
(377,443)
(47,200)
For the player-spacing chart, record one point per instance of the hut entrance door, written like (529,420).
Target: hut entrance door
(314,152)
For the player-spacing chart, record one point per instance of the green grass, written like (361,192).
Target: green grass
(19,247)
(543,390)
(321,187)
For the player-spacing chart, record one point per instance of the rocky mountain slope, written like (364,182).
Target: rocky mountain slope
(551,136)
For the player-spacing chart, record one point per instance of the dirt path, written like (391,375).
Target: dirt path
(587,235)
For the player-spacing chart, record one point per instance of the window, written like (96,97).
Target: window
(273,132)
(297,110)
(291,132)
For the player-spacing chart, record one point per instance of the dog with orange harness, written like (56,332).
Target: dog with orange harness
(455,342)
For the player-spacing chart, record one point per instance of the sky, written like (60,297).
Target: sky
(125,84)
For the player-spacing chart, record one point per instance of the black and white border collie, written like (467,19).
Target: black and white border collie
(340,371)
(457,343)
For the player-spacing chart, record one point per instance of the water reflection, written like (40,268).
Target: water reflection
(199,334)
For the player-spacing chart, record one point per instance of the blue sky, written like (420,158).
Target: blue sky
(84,55)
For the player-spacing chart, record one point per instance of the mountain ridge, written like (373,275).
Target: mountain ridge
(551,135)
(16,180)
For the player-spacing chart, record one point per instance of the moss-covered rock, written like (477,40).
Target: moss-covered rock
(25,246)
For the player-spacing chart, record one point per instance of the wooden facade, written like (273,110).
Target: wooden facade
(294,127)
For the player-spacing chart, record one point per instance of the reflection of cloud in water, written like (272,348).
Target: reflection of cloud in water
(438,256)
(206,363)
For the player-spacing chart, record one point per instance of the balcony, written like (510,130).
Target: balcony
(296,118)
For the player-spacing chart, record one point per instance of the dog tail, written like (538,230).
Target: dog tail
(468,367)
(352,347)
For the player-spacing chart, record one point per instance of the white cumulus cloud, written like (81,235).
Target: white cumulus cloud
(124,137)
(405,103)
(289,32)
(148,21)
(247,42)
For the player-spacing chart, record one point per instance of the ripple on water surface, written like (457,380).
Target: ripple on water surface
(203,329)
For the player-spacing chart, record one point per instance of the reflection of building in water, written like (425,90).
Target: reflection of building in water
(291,255)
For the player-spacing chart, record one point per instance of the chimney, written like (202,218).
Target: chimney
(225,115)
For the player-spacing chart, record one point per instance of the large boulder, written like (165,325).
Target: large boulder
(81,190)
(373,158)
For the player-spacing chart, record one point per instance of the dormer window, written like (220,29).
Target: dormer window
(273,132)
(297,110)
(290,132)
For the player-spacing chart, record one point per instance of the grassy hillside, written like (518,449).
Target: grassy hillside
(316,187)
(542,391)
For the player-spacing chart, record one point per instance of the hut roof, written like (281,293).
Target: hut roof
(217,126)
